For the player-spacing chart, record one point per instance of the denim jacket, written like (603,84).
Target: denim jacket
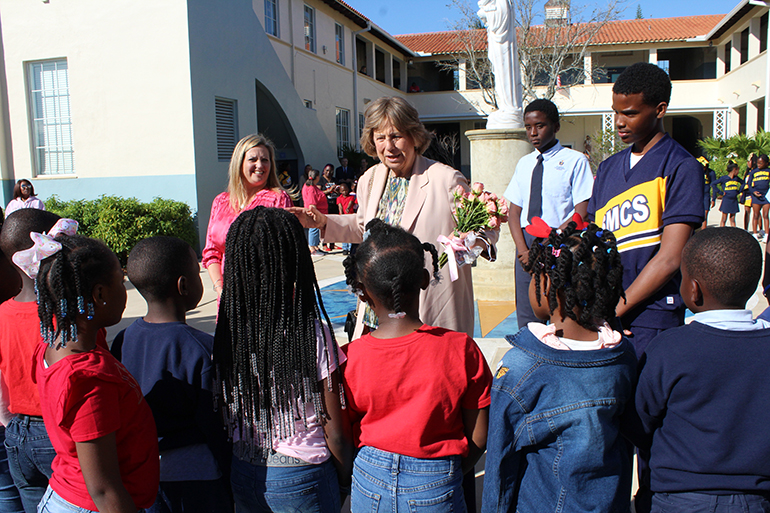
(554,440)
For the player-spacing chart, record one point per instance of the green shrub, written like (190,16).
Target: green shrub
(122,222)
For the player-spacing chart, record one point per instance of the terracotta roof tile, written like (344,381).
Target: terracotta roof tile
(615,32)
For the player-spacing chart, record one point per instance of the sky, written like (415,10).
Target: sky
(415,16)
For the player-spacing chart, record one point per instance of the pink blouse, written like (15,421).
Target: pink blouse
(222,216)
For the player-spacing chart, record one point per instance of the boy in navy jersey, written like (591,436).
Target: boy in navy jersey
(651,196)
(703,396)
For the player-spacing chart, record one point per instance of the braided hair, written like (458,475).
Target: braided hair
(64,284)
(390,262)
(585,272)
(265,345)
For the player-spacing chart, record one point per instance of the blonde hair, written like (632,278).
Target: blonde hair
(399,113)
(235,187)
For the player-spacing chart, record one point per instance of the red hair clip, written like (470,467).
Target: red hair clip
(581,225)
(538,228)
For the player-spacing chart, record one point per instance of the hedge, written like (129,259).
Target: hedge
(122,222)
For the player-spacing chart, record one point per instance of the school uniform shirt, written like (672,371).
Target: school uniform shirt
(760,182)
(567,181)
(664,187)
(731,188)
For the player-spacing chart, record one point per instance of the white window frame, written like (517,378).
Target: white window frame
(342,122)
(339,43)
(50,117)
(310,29)
(272,26)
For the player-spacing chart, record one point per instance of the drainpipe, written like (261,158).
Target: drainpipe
(291,40)
(355,84)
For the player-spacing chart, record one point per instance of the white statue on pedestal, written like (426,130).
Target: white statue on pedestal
(497,15)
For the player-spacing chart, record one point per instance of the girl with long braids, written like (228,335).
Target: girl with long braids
(99,423)
(277,375)
(559,392)
(418,395)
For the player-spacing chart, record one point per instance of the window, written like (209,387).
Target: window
(309,29)
(271,17)
(308,104)
(343,130)
(728,56)
(227,127)
(744,46)
(49,95)
(763,33)
(361,121)
(339,40)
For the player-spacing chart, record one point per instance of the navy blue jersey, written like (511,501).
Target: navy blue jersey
(730,187)
(664,187)
(760,181)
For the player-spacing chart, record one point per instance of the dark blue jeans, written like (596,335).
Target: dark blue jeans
(30,455)
(302,489)
(193,497)
(384,481)
(10,501)
(691,502)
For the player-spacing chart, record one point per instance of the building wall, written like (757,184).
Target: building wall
(129,95)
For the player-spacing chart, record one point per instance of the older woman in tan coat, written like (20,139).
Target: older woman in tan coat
(411,191)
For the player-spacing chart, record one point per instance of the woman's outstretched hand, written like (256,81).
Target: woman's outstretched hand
(309,217)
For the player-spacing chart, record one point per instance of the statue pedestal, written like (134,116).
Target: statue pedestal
(494,154)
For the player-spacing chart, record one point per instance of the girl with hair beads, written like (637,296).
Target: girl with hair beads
(277,371)
(94,412)
(559,392)
(417,394)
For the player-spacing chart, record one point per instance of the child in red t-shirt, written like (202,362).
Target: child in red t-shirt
(98,421)
(418,395)
(347,205)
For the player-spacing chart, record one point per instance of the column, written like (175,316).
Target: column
(653,59)
(588,68)
(751,118)
(461,75)
(754,37)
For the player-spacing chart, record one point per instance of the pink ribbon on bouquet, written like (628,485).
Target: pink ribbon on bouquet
(452,245)
(43,246)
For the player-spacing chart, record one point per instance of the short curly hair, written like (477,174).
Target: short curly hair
(547,107)
(399,113)
(645,78)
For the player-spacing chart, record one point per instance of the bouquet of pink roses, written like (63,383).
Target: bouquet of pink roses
(474,212)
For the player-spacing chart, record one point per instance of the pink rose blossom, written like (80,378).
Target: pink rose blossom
(458,191)
(477,188)
(503,208)
(494,223)
(491,207)
(493,196)
(485,196)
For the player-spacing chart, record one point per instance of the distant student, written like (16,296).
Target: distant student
(731,185)
(709,192)
(418,395)
(171,361)
(651,196)
(745,197)
(759,184)
(313,195)
(99,423)
(703,397)
(552,183)
(30,452)
(347,205)
(554,425)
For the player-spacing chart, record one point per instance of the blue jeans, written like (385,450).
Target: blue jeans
(51,502)
(10,501)
(303,489)
(192,497)
(30,455)
(692,502)
(384,481)
(346,246)
(313,237)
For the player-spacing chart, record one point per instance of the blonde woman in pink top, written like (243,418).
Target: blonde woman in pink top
(252,181)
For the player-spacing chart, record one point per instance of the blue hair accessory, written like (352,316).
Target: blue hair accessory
(585,303)
(366,235)
(63,307)
(81,305)
(553,267)
(599,233)
(580,263)
(609,250)
(90,315)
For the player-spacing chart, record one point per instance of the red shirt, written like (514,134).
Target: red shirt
(312,195)
(84,397)
(406,394)
(19,336)
(347,204)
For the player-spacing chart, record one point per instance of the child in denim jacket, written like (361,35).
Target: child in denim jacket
(554,440)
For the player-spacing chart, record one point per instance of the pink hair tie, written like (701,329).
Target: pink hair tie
(43,246)
(556,252)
